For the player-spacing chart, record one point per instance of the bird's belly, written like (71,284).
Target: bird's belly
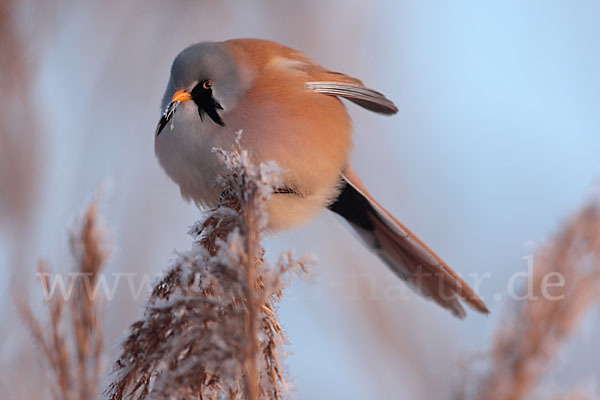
(187,156)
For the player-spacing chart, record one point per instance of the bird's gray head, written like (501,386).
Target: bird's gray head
(207,74)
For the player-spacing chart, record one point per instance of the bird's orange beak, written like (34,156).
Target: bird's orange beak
(181,96)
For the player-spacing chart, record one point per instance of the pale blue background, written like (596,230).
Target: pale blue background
(495,144)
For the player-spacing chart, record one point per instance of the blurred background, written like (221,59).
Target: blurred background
(495,144)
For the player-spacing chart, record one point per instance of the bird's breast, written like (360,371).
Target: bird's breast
(185,151)
(308,135)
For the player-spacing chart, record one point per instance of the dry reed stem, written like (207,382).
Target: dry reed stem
(79,379)
(210,329)
(534,330)
(252,303)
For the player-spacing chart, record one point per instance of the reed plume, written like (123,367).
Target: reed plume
(75,355)
(533,330)
(210,328)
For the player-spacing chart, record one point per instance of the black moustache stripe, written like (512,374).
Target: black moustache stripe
(207,104)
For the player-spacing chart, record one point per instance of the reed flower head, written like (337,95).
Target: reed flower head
(210,328)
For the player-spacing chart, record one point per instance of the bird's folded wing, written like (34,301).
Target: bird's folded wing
(358,94)
(330,83)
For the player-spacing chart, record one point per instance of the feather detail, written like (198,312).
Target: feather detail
(361,95)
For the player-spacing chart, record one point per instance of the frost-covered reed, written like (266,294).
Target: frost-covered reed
(210,328)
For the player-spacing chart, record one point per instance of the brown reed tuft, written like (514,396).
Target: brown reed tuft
(74,377)
(534,329)
(210,328)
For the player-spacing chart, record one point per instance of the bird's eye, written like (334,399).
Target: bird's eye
(207,84)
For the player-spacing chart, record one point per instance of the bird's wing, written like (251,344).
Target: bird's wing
(356,93)
(338,84)
(405,254)
(268,56)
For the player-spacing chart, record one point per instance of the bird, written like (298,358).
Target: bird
(290,111)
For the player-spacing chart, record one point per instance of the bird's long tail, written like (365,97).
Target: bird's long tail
(406,255)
